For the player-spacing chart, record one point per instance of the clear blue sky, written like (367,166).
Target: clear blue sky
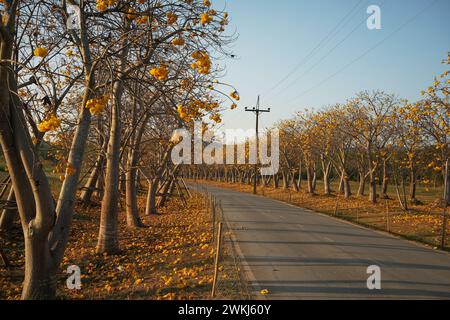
(276,36)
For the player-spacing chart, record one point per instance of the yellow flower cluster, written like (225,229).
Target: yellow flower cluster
(196,109)
(102,5)
(216,118)
(178,41)
(207,3)
(51,124)
(171,18)
(233,106)
(40,52)
(203,64)
(204,105)
(224,22)
(182,112)
(161,73)
(235,95)
(96,106)
(206,18)
(69,53)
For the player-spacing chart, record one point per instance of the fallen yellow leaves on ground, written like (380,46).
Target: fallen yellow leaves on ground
(166,260)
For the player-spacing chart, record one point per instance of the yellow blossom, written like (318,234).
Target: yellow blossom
(51,124)
(40,52)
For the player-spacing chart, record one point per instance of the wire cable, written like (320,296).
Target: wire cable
(366,52)
(317,48)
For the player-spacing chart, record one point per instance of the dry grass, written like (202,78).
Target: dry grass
(422,222)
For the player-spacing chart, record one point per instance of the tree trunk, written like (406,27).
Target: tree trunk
(133,220)
(346,183)
(412,186)
(385,183)
(326,177)
(108,234)
(372,180)
(100,184)
(314,179)
(341,183)
(362,184)
(300,170)
(150,207)
(309,177)
(372,188)
(294,183)
(153,185)
(446,176)
(40,272)
(285,180)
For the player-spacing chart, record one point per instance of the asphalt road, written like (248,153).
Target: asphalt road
(299,254)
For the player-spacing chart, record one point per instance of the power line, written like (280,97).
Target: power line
(323,57)
(366,52)
(317,48)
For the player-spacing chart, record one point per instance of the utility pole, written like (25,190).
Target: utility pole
(257,112)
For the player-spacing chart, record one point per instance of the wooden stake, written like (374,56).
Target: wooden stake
(336,207)
(216,262)
(444,219)
(213,211)
(388,223)
(357,214)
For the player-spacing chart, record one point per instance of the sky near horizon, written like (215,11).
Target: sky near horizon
(301,54)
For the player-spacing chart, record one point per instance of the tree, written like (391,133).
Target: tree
(370,124)
(433,116)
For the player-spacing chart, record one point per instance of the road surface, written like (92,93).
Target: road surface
(299,254)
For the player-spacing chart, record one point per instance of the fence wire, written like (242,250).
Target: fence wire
(230,282)
(426,225)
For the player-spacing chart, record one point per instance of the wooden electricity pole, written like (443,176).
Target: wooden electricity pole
(257,112)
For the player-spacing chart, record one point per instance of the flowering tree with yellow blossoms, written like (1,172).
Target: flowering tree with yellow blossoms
(85,73)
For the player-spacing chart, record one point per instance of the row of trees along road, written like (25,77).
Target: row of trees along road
(374,138)
(100,99)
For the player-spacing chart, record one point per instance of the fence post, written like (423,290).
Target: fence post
(336,207)
(444,228)
(388,222)
(216,262)
(357,213)
(444,219)
(213,212)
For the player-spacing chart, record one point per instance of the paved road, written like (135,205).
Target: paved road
(299,254)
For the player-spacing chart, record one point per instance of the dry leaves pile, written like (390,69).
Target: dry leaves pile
(170,259)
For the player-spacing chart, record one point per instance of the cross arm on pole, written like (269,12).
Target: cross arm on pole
(257,112)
